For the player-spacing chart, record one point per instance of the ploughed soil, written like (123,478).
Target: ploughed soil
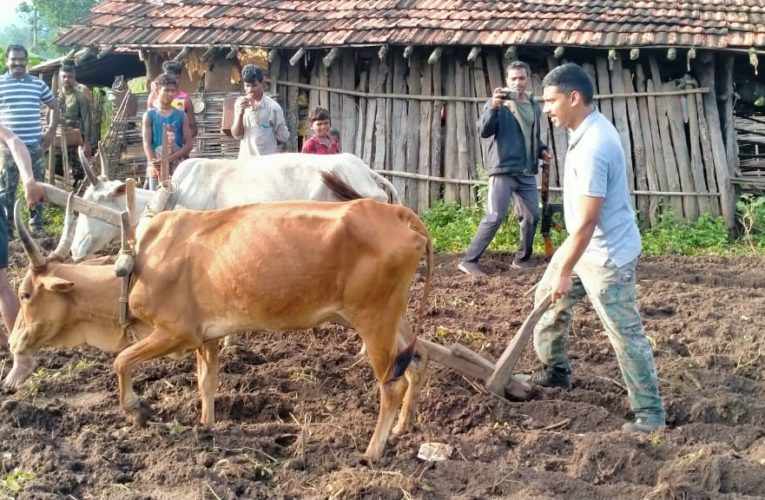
(296,410)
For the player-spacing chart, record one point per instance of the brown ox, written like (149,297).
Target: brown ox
(204,275)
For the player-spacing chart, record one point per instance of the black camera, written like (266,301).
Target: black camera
(507,94)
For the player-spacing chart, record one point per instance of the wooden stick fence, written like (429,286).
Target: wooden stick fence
(422,119)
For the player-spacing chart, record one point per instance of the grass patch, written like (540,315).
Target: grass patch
(37,380)
(13,482)
(452,227)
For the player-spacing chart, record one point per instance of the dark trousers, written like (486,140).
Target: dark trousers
(9,182)
(522,190)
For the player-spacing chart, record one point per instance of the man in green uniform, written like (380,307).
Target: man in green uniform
(76,118)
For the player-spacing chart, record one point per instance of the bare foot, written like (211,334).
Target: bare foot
(23,366)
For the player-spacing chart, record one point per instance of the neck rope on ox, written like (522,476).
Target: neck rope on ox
(164,199)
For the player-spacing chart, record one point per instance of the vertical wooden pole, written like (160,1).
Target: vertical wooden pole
(437,133)
(680,143)
(336,100)
(323,82)
(705,69)
(604,87)
(461,130)
(705,204)
(545,135)
(707,155)
(638,146)
(350,109)
(313,79)
(398,123)
(381,118)
(291,110)
(648,147)
(363,86)
(560,136)
(590,70)
(426,127)
(670,163)
(725,96)
(621,120)
(414,85)
(451,160)
(369,132)
(479,90)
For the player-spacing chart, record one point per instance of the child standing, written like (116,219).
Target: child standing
(155,121)
(321,142)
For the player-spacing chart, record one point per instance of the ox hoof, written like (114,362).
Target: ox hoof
(362,461)
(400,429)
(23,366)
(141,413)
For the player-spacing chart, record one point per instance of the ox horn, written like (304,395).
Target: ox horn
(86,166)
(30,245)
(67,235)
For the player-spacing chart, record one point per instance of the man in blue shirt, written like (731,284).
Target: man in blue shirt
(601,251)
(20,97)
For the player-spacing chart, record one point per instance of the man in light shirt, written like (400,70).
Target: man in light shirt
(258,119)
(601,251)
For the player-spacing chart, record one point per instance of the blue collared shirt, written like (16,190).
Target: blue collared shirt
(20,101)
(595,166)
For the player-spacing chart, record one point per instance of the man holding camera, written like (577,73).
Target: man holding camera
(511,119)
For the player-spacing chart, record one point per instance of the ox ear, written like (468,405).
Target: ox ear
(54,284)
(118,190)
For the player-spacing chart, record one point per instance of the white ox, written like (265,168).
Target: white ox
(204,184)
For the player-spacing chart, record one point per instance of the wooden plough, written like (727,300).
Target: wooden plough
(497,376)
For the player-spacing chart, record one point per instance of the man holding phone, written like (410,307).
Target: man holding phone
(511,120)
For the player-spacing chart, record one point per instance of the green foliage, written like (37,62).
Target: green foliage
(751,214)
(707,235)
(57,14)
(39,22)
(138,85)
(452,227)
(13,482)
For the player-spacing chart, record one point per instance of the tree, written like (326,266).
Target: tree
(57,14)
(45,19)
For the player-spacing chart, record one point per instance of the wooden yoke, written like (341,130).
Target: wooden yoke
(58,196)
(123,267)
(130,205)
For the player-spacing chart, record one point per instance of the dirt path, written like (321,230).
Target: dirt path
(295,409)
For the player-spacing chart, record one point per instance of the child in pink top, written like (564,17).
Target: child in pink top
(321,142)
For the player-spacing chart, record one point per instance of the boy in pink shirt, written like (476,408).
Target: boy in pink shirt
(321,142)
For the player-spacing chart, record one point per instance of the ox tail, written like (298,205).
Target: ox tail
(387,186)
(405,357)
(341,189)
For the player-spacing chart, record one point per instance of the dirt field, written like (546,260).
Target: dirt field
(296,409)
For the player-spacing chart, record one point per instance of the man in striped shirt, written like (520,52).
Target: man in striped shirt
(20,97)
